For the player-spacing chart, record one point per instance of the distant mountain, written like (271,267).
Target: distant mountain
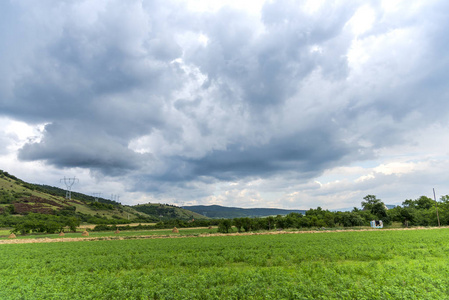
(342,209)
(218,212)
(167,212)
(388,206)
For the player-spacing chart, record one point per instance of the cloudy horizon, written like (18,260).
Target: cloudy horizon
(286,104)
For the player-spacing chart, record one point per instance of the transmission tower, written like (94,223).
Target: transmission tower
(96,196)
(115,198)
(69,182)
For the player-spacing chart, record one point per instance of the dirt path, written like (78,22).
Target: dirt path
(110,238)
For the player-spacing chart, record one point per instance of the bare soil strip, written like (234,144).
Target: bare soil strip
(110,238)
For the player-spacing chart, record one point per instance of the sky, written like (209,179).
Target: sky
(285,104)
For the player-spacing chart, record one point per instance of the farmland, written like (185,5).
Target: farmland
(409,264)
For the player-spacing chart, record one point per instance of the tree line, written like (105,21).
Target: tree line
(41,223)
(418,212)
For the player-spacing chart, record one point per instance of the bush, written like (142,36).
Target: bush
(44,224)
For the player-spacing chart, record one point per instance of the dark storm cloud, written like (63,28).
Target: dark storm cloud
(80,66)
(99,82)
(149,89)
(308,153)
(85,147)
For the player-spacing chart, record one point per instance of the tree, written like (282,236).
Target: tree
(376,207)
(247,224)
(355,219)
(270,222)
(224,226)
(280,222)
(238,223)
(445,199)
(424,202)
(406,215)
(72,223)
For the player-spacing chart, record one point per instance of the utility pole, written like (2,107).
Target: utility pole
(436,205)
(69,182)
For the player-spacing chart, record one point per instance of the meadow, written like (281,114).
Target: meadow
(403,264)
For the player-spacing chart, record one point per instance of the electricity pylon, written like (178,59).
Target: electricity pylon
(96,196)
(69,182)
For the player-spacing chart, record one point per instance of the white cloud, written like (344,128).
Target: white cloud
(363,20)
(252,6)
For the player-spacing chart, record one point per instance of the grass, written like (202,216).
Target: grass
(12,185)
(5,232)
(410,264)
(129,233)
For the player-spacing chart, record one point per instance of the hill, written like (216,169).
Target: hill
(19,198)
(166,211)
(217,211)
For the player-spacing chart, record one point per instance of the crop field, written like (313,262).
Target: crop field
(406,264)
(103,234)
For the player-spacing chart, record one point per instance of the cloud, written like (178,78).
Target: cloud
(173,101)
(82,147)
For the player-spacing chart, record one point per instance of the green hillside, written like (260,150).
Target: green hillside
(19,199)
(166,212)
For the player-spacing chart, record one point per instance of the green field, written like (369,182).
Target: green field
(124,233)
(409,264)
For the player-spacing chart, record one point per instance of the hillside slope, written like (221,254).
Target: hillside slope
(164,211)
(18,198)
